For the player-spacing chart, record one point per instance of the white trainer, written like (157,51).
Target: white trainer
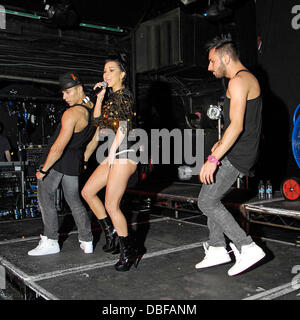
(249,255)
(86,246)
(213,256)
(45,246)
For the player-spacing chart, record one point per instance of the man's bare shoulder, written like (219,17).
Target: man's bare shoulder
(237,81)
(71,115)
(244,83)
(237,86)
(76,111)
(249,79)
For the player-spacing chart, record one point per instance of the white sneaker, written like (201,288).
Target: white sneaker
(213,256)
(86,246)
(250,254)
(45,246)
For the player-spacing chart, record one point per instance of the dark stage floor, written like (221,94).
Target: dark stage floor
(166,271)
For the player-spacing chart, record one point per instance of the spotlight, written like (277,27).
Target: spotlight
(62,14)
(218,9)
(186,2)
(185,172)
(214,112)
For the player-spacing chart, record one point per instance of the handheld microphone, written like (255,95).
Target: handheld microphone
(94,93)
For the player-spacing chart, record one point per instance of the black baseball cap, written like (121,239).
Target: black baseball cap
(69,80)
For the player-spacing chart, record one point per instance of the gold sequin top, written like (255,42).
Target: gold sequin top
(117,111)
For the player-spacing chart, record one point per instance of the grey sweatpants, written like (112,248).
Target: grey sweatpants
(219,220)
(46,197)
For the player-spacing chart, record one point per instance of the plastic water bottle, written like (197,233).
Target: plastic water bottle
(17,214)
(22,213)
(27,211)
(269,190)
(32,212)
(261,190)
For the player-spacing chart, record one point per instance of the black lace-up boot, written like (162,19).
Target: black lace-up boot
(128,255)
(111,237)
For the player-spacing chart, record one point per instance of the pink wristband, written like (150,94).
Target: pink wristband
(213,159)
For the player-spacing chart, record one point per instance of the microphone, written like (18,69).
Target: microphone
(94,93)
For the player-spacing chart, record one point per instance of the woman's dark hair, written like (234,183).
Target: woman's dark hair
(122,65)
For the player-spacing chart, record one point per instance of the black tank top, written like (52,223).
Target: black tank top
(70,163)
(243,153)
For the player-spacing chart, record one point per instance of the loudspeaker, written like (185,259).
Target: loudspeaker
(171,40)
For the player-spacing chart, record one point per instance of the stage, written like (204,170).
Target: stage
(166,271)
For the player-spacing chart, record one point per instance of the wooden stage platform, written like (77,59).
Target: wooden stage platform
(173,244)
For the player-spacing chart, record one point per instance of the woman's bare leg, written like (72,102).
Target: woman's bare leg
(95,183)
(118,177)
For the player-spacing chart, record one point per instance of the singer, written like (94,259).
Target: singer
(113,172)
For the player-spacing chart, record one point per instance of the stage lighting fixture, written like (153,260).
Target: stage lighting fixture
(214,112)
(62,14)
(186,2)
(185,173)
(218,9)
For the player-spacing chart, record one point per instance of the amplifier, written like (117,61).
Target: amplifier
(34,153)
(11,166)
(10,182)
(12,189)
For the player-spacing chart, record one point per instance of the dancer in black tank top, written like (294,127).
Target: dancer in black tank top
(243,153)
(61,165)
(234,154)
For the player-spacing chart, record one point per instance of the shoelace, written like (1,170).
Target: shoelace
(82,245)
(41,241)
(41,244)
(236,253)
(205,246)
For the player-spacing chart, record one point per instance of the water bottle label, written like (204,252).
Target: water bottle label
(33,213)
(17,214)
(27,210)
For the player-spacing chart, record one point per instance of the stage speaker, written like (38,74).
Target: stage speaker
(171,40)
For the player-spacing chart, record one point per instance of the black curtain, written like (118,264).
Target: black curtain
(279,75)
(245,20)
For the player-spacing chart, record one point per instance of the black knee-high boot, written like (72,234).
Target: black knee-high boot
(111,237)
(128,255)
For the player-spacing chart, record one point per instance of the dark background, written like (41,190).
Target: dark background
(163,43)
